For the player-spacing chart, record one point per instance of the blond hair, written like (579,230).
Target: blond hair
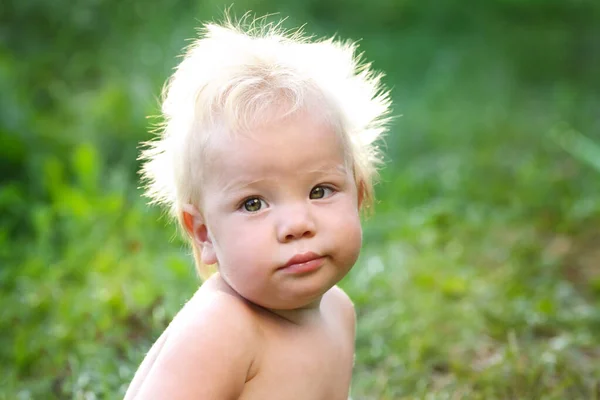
(234,75)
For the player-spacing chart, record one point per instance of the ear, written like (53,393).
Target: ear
(195,226)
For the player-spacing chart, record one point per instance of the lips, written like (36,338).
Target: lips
(303,263)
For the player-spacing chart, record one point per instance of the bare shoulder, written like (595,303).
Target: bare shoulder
(214,310)
(206,352)
(341,304)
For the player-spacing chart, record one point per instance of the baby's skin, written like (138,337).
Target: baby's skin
(280,217)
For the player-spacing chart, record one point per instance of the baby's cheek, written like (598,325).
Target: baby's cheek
(249,252)
(355,239)
(349,236)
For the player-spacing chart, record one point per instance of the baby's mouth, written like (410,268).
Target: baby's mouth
(303,263)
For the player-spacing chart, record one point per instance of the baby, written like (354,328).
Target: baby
(266,157)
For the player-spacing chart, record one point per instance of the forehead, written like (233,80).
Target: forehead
(296,144)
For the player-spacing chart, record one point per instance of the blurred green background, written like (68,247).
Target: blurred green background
(480,275)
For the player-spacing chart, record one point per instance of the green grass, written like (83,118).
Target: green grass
(480,273)
(482,320)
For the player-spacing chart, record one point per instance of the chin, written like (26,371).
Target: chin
(306,296)
(297,298)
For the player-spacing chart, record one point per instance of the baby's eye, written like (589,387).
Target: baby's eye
(253,204)
(320,192)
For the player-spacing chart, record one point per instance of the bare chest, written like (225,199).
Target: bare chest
(314,365)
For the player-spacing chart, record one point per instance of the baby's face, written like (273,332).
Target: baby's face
(281,208)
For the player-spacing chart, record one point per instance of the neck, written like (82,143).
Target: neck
(300,316)
(297,316)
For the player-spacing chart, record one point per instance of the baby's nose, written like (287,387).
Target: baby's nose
(296,223)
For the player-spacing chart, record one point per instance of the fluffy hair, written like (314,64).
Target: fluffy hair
(238,74)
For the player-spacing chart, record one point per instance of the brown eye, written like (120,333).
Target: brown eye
(319,192)
(253,205)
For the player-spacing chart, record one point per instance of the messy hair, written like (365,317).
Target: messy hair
(234,75)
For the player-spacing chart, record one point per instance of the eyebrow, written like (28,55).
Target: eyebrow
(241,183)
(338,169)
